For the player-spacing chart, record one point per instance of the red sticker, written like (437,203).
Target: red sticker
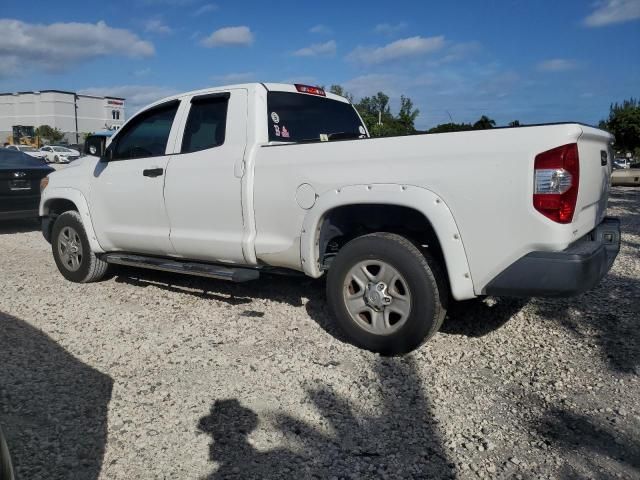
(285,132)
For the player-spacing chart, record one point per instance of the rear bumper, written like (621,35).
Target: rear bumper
(18,214)
(570,272)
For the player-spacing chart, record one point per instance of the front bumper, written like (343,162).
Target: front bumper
(572,271)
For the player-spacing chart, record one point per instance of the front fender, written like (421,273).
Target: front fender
(50,194)
(425,201)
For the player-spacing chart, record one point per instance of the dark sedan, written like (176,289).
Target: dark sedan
(20,177)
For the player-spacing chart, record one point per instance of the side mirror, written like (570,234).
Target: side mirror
(106,154)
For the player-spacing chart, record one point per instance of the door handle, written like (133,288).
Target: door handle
(153,172)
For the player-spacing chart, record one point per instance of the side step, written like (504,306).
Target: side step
(189,268)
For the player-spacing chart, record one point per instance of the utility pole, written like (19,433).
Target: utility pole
(75,108)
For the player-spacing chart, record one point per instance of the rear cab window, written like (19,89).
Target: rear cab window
(299,117)
(206,124)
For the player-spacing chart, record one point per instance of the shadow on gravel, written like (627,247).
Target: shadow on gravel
(608,314)
(401,441)
(479,317)
(602,450)
(290,290)
(8,227)
(53,407)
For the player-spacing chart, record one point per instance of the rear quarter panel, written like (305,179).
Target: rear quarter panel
(484,177)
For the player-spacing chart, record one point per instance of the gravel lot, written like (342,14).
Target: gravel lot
(149,375)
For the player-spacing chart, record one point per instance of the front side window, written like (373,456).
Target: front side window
(297,117)
(207,123)
(146,135)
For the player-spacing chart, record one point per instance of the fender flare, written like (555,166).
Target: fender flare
(51,194)
(432,206)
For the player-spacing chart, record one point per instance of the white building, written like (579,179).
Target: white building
(70,112)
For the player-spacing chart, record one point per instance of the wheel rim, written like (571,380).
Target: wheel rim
(377,297)
(70,248)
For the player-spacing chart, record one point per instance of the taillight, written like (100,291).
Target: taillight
(556,180)
(310,90)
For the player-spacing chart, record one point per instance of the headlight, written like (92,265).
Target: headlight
(43,183)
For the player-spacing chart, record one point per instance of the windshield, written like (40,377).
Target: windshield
(295,117)
(60,149)
(27,149)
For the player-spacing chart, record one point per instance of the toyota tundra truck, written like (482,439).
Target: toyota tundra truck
(233,182)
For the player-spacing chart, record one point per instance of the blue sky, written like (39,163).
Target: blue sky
(536,61)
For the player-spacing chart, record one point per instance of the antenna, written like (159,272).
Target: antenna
(450,117)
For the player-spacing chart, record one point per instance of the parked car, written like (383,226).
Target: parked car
(6,468)
(626,177)
(623,162)
(20,180)
(228,183)
(32,152)
(58,154)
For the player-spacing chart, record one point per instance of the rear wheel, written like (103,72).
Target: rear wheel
(72,252)
(385,294)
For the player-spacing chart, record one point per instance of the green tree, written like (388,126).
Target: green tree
(515,123)
(624,124)
(484,123)
(451,127)
(407,115)
(54,135)
(339,90)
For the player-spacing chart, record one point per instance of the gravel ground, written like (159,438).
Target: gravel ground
(149,375)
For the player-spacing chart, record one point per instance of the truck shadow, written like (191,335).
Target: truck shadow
(479,317)
(8,227)
(297,291)
(53,407)
(399,440)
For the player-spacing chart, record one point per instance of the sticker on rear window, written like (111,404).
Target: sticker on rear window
(275,118)
(362,130)
(285,132)
(277,130)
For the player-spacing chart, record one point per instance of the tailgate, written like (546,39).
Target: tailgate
(596,155)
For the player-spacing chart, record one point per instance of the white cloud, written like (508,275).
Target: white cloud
(321,29)
(236,77)
(136,96)
(390,29)
(557,65)
(206,8)
(229,36)
(608,12)
(406,47)
(327,48)
(156,25)
(57,46)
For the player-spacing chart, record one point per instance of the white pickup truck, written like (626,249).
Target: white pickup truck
(233,181)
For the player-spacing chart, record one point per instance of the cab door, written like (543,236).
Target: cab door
(127,202)
(202,191)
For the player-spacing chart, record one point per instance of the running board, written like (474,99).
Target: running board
(189,268)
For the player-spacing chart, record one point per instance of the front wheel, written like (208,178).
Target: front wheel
(72,252)
(385,294)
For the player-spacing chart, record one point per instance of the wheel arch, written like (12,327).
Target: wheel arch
(56,201)
(409,206)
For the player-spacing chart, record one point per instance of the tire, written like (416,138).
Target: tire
(403,301)
(56,159)
(81,265)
